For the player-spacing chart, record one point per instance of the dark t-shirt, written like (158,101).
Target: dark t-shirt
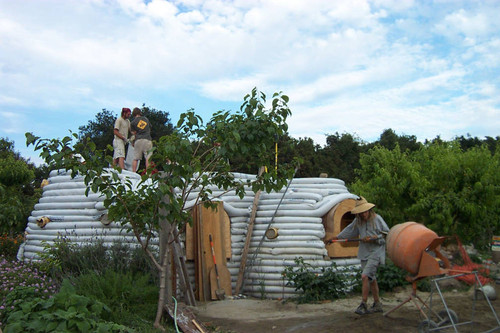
(142,126)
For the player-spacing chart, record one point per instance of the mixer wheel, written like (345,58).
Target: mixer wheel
(426,326)
(446,320)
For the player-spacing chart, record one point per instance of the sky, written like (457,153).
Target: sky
(423,68)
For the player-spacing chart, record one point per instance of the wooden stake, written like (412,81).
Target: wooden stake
(197,326)
(244,255)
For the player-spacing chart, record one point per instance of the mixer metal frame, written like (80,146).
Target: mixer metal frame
(448,316)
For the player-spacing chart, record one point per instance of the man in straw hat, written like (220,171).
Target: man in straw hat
(371,229)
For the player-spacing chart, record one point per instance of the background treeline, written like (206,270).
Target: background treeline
(451,186)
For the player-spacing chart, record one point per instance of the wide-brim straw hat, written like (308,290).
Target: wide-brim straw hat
(362,206)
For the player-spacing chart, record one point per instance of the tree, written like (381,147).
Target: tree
(389,139)
(160,122)
(387,177)
(469,142)
(100,130)
(305,150)
(340,156)
(17,192)
(450,190)
(194,158)
(461,195)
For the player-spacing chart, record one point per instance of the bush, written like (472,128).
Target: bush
(131,297)
(389,276)
(328,284)
(118,276)
(66,259)
(65,312)
(10,245)
(21,281)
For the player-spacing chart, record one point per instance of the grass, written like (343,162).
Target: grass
(118,277)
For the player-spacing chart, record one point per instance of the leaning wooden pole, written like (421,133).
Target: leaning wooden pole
(244,255)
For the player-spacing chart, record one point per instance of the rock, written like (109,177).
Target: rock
(471,251)
(488,291)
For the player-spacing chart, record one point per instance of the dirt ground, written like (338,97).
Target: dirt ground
(254,316)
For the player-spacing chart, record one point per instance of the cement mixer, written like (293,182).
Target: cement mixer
(416,249)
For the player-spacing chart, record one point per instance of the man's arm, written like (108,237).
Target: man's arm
(118,134)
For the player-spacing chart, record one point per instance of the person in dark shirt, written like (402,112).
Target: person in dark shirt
(141,127)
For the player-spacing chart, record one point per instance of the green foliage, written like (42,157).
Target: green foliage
(160,120)
(10,245)
(462,192)
(14,172)
(340,157)
(120,278)
(65,312)
(130,297)
(15,298)
(19,282)
(315,285)
(450,190)
(387,177)
(65,259)
(389,139)
(99,130)
(389,276)
(17,195)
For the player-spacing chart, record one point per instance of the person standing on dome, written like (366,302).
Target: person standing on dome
(120,131)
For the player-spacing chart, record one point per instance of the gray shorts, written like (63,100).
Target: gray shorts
(369,268)
(118,148)
(141,148)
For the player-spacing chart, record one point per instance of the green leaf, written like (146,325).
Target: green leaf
(15,327)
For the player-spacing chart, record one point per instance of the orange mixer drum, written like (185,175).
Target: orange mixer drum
(406,242)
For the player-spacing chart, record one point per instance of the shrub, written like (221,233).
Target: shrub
(131,297)
(328,284)
(389,276)
(10,245)
(19,280)
(64,259)
(65,312)
(119,276)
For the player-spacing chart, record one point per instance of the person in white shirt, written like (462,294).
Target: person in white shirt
(121,130)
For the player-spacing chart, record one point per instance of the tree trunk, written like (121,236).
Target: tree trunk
(165,294)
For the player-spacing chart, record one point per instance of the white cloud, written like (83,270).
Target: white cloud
(349,66)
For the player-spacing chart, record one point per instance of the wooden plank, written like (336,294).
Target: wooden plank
(190,242)
(204,251)
(199,253)
(224,281)
(244,255)
(212,221)
(185,319)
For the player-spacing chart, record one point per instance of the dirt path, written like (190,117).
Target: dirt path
(254,316)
